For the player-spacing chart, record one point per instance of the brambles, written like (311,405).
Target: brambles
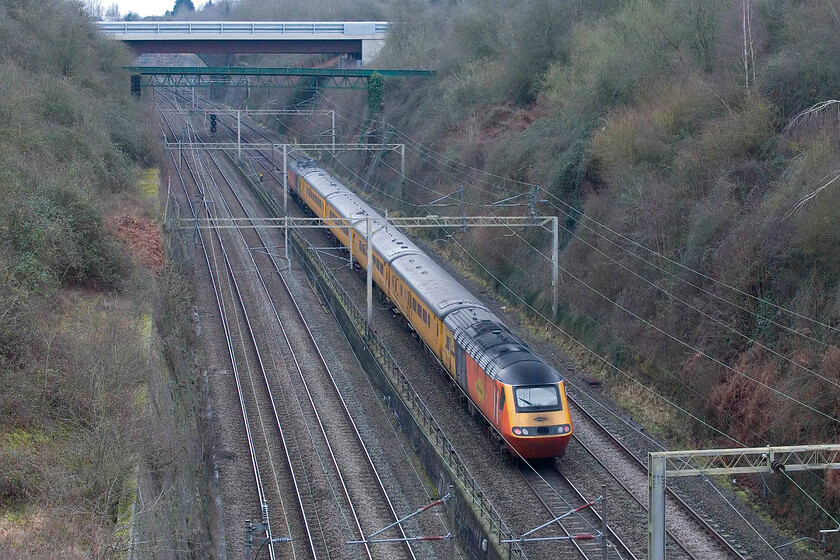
(668,123)
(69,142)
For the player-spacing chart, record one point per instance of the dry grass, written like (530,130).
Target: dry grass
(47,533)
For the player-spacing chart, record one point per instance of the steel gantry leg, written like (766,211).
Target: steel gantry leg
(369,274)
(402,161)
(604,526)
(286,197)
(555,263)
(656,507)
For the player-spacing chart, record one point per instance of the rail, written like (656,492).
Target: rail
(720,539)
(260,488)
(497,528)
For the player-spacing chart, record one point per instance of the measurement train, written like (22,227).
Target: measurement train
(520,395)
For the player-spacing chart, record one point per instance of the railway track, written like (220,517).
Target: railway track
(326,419)
(579,523)
(608,443)
(548,491)
(261,464)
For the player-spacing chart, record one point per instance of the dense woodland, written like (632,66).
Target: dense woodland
(74,307)
(689,146)
(698,195)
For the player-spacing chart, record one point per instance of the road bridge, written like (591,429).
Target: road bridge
(360,39)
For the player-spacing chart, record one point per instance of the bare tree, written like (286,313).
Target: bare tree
(749,52)
(812,112)
(94,9)
(113,12)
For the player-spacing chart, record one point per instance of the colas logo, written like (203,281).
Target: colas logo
(479,389)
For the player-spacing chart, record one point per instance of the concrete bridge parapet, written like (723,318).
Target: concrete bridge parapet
(362,39)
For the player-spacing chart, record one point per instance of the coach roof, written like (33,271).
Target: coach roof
(433,285)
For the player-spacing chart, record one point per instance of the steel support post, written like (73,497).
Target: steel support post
(402,161)
(369,273)
(195,220)
(451,512)
(249,538)
(604,542)
(239,135)
(555,263)
(656,507)
(286,197)
(463,211)
(333,132)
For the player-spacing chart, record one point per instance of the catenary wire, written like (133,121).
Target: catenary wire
(609,364)
(577,213)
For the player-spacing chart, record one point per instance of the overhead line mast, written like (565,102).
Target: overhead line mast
(713,462)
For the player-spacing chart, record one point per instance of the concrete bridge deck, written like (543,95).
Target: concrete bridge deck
(361,39)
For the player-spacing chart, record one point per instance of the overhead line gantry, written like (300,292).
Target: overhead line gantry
(298,78)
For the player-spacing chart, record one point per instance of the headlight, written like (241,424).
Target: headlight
(541,430)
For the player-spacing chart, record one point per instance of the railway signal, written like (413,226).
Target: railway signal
(212,124)
(135,84)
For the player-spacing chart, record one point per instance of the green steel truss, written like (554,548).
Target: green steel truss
(298,78)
